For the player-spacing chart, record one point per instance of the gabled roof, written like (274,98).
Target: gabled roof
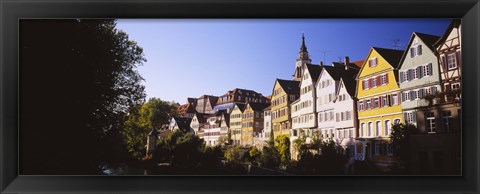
(455,23)
(223,114)
(192,101)
(269,107)
(183,123)
(290,86)
(258,106)
(202,117)
(186,108)
(314,71)
(428,39)
(350,85)
(332,71)
(390,55)
(359,63)
(241,106)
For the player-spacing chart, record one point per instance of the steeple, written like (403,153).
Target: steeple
(303,48)
(302,59)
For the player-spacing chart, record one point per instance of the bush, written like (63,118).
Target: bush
(233,154)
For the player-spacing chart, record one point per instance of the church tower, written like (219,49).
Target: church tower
(302,59)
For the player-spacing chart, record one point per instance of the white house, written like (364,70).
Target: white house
(346,120)
(215,129)
(304,118)
(326,89)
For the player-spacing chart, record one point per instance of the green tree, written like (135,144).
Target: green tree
(298,146)
(147,117)
(255,154)
(232,154)
(399,139)
(282,145)
(79,78)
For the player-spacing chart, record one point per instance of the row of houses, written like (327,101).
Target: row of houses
(355,104)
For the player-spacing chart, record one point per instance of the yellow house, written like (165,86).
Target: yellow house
(283,94)
(252,122)
(236,123)
(379,107)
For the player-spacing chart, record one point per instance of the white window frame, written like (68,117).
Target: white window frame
(388,127)
(395,99)
(372,62)
(430,123)
(369,128)
(378,128)
(451,61)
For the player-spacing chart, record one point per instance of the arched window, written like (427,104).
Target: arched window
(362,130)
(396,121)
(379,128)
(370,126)
(388,126)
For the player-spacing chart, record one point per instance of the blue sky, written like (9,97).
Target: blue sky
(189,58)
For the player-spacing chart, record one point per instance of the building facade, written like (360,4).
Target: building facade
(304,118)
(236,123)
(237,95)
(215,130)
(345,102)
(252,122)
(379,107)
(419,76)
(284,93)
(436,147)
(206,103)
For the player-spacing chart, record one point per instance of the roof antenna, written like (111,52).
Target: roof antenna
(396,46)
(324,54)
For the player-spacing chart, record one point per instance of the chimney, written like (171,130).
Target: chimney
(347,62)
(321,63)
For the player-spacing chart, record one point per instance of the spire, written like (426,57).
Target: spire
(303,48)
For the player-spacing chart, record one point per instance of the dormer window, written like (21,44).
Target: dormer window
(373,62)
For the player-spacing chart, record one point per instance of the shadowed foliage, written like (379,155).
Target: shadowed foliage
(78,78)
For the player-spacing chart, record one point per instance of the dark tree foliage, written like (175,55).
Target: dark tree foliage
(77,80)
(400,140)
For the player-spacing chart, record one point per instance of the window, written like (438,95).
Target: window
(362,130)
(372,62)
(394,99)
(455,86)
(384,101)
(416,51)
(377,149)
(388,125)
(389,150)
(374,82)
(383,79)
(451,61)
(379,128)
(375,103)
(425,70)
(446,120)
(367,107)
(365,84)
(430,124)
(396,121)
(370,126)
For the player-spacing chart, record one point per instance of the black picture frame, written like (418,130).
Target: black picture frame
(11,11)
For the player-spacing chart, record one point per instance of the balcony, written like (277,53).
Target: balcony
(447,97)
